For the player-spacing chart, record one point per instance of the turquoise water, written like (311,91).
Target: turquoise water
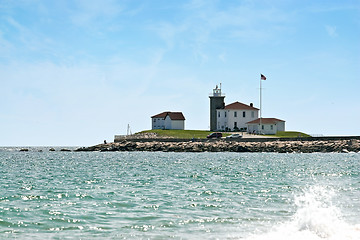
(155,195)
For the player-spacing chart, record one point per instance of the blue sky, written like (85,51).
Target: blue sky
(77,72)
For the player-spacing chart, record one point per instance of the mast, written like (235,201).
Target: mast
(260,128)
(128,130)
(262,77)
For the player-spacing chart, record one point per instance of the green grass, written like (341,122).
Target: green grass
(184,134)
(292,134)
(189,134)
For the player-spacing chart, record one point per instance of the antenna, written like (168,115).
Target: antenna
(128,130)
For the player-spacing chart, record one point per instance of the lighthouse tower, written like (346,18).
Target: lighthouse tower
(216,102)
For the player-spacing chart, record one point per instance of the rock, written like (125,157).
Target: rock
(353,145)
(65,150)
(52,149)
(241,149)
(233,146)
(24,150)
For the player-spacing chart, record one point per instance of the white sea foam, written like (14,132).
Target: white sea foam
(316,218)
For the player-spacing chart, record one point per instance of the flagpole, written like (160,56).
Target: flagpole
(260,129)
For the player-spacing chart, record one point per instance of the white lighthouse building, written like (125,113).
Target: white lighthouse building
(235,116)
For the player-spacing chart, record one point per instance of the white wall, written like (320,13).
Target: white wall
(265,129)
(269,129)
(222,121)
(230,119)
(252,128)
(174,124)
(167,122)
(157,123)
(178,124)
(279,126)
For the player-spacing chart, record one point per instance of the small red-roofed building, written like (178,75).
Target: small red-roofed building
(266,126)
(235,116)
(168,120)
(238,116)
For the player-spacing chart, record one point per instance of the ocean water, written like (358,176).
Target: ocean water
(156,195)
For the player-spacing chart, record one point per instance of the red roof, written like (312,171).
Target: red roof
(160,115)
(265,121)
(172,115)
(239,106)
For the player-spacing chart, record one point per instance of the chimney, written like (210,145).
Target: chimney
(251,105)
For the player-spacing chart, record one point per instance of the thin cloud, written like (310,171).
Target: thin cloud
(168,32)
(6,47)
(88,13)
(333,6)
(32,42)
(331,30)
(222,57)
(205,23)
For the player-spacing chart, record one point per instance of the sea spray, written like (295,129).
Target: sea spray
(316,213)
(316,218)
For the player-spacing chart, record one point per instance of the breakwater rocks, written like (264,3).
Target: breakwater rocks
(352,145)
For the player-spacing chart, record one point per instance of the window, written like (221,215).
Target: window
(252,114)
(154,120)
(235,114)
(235,124)
(225,114)
(262,127)
(219,114)
(244,114)
(271,127)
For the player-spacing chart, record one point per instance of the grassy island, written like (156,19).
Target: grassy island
(183,134)
(189,134)
(289,134)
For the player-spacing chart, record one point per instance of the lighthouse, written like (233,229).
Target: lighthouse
(216,102)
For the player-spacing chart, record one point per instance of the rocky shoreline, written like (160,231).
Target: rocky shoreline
(345,146)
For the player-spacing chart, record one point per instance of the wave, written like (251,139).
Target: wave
(316,218)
